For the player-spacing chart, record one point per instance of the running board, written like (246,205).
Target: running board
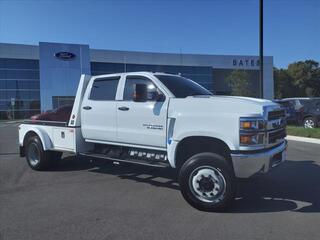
(133,161)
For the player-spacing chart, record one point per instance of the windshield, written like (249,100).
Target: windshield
(182,87)
(303,102)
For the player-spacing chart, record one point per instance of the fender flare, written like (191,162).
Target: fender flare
(173,146)
(45,140)
(202,133)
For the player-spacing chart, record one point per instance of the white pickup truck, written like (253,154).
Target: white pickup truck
(165,120)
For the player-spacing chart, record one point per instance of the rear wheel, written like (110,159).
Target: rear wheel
(37,158)
(309,122)
(207,182)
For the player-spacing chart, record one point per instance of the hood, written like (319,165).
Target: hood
(250,100)
(241,106)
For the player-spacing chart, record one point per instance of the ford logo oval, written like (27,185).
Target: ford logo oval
(65,55)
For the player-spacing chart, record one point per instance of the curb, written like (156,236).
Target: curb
(303,139)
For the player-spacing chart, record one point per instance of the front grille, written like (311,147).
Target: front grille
(276,114)
(276,135)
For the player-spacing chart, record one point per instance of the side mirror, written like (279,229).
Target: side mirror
(140,93)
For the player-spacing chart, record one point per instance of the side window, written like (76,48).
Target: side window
(297,104)
(129,88)
(104,89)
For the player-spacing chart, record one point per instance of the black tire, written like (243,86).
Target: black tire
(223,173)
(55,158)
(309,122)
(37,158)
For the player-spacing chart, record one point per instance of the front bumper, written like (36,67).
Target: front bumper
(246,164)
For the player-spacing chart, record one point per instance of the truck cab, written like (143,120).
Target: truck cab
(165,120)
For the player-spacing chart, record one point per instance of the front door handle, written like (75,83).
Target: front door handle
(123,108)
(87,107)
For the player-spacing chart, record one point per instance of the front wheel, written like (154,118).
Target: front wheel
(309,122)
(207,182)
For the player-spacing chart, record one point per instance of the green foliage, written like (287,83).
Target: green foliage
(303,132)
(300,79)
(238,81)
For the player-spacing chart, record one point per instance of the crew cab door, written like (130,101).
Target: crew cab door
(99,110)
(142,123)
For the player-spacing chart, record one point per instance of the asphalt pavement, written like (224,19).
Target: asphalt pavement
(90,199)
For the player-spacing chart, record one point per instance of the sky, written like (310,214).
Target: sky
(229,27)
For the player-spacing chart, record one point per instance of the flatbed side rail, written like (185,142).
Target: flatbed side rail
(46,123)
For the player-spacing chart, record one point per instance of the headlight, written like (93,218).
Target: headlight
(252,131)
(251,139)
(252,124)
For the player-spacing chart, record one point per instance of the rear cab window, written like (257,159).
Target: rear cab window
(104,89)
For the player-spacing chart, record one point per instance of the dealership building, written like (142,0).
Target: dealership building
(36,78)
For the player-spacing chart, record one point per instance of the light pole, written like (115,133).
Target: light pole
(13,102)
(261,47)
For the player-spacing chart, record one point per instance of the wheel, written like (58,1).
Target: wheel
(207,182)
(309,122)
(55,158)
(37,158)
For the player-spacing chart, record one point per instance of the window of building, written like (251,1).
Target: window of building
(104,89)
(19,82)
(19,74)
(58,101)
(11,63)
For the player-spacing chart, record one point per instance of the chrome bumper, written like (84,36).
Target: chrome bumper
(247,164)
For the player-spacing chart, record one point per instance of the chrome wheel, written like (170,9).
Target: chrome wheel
(309,123)
(207,184)
(33,154)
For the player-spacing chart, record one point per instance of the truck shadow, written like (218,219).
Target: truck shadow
(293,186)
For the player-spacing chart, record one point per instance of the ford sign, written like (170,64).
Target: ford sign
(65,55)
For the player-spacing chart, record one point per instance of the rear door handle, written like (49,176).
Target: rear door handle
(87,107)
(123,108)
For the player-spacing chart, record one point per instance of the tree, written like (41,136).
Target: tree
(313,83)
(301,79)
(283,83)
(238,81)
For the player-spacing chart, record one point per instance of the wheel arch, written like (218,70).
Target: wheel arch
(45,140)
(307,116)
(192,145)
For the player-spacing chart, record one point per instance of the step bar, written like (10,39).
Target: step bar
(158,164)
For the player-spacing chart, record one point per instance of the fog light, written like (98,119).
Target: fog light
(245,139)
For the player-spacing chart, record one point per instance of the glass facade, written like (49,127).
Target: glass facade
(222,87)
(58,101)
(19,88)
(20,84)
(201,75)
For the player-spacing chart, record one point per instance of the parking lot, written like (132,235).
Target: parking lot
(86,199)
